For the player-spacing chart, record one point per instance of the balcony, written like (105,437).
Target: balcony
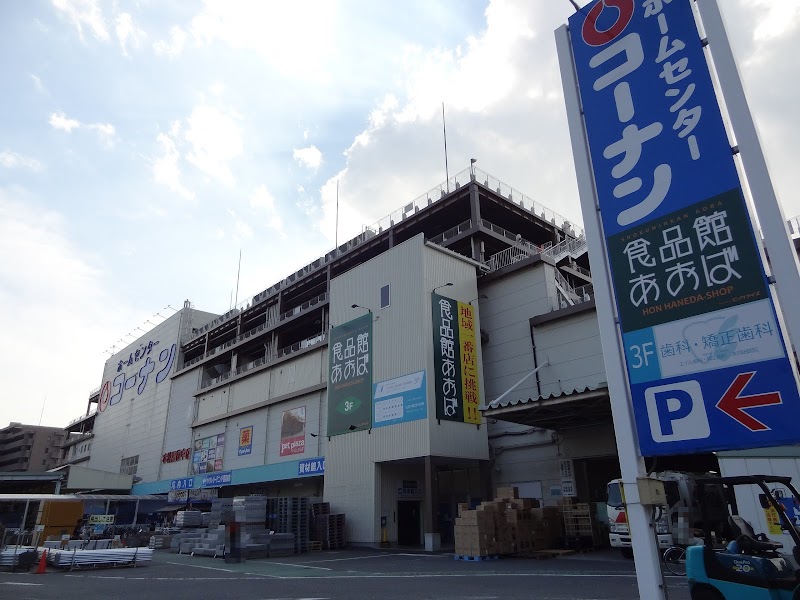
(315,340)
(305,306)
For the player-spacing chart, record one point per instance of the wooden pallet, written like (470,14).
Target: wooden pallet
(314,546)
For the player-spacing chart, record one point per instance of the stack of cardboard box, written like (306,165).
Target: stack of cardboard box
(506,525)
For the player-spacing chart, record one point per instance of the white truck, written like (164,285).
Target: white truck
(674,523)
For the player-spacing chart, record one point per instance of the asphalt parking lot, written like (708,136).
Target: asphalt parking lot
(343,575)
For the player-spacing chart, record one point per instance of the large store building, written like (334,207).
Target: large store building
(375,377)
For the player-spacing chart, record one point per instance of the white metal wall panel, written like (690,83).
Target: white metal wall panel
(213,404)
(135,425)
(351,487)
(297,374)
(250,390)
(505,314)
(573,346)
(178,431)
(588,442)
(401,337)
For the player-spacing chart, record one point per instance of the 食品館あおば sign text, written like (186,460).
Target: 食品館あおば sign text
(706,362)
(455,360)
(350,376)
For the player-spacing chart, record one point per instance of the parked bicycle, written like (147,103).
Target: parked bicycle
(674,559)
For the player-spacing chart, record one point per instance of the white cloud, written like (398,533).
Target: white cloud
(515,124)
(215,141)
(84,13)
(105,131)
(166,170)
(295,38)
(262,201)
(775,18)
(60,121)
(14,160)
(77,323)
(242,230)
(128,33)
(41,26)
(37,82)
(310,157)
(174,46)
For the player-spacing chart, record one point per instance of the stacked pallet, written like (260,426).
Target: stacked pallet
(506,525)
(327,529)
(290,515)
(331,531)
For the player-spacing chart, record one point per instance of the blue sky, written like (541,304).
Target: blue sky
(144,144)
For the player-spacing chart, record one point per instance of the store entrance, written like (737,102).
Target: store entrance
(408,523)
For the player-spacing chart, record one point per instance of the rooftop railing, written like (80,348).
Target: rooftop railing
(433,195)
(256,330)
(271,357)
(452,232)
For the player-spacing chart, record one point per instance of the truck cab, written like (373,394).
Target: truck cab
(674,522)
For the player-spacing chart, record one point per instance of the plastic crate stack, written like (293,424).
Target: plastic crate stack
(290,515)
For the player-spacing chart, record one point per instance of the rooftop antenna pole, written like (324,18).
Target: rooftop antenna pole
(42,413)
(238,272)
(336,235)
(446,171)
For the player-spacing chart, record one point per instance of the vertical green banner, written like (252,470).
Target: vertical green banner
(447,359)
(350,376)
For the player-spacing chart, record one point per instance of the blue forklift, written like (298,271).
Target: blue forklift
(745,565)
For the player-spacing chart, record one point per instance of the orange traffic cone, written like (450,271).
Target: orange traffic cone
(42,568)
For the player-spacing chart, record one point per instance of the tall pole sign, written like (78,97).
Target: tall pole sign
(706,363)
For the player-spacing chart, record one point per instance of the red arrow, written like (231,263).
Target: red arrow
(733,405)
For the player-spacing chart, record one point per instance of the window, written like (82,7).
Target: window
(129,465)
(385,299)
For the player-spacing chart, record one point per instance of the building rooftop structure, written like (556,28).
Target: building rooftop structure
(472,214)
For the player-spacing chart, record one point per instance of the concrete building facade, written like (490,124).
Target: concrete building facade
(30,447)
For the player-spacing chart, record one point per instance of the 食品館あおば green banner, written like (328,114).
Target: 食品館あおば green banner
(455,360)
(350,376)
